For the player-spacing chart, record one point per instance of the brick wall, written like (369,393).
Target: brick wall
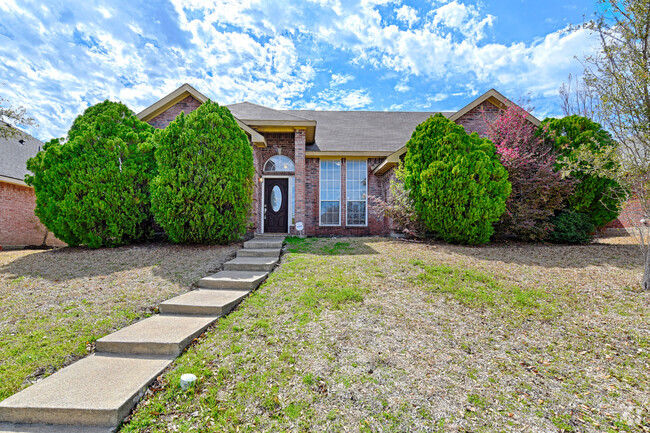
(630,216)
(474,119)
(187,105)
(377,225)
(19,226)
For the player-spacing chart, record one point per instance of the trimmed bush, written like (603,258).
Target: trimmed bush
(572,228)
(203,190)
(599,197)
(456,182)
(93,189)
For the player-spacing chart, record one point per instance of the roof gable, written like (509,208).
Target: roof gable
(183,92)
(496,99)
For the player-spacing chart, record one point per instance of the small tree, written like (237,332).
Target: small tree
(457,184)
(596,196)
(10,117)
(538,191)
(398,206)
(94,189)
(203,190)
(620,74)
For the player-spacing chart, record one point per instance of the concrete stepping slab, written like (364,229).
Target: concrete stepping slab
(233,280)
(204,302)
(250,264)
(50,428)
(99,390)
(259,252)
(259,242)
(157,335)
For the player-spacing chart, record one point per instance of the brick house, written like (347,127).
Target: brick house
(318,168)
(19,226)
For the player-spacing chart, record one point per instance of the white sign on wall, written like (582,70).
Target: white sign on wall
(299,226)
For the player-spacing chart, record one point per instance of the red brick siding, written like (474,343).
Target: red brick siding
(630,216)
(187,105)
(475,119)
(300,179)
(377,225)
(19,226)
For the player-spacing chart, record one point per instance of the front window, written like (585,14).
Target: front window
(356,192)
(279,163)
(330,192)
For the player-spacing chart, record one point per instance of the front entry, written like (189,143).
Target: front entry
(276,205)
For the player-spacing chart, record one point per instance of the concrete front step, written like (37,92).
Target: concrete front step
(99,390)
(51,428)
(204,302)
(262,242)
(157,335)
(250,264)
(233,280)
(259,252)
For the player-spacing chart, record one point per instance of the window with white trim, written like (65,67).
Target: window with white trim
(279,163)
(330,192)
(356,192)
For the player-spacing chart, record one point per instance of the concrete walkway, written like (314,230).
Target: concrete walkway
(96,393)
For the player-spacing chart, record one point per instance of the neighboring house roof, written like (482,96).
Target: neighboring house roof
(377,133)
(15,152)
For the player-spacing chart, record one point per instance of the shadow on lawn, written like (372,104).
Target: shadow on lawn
(554,255)
(175,263)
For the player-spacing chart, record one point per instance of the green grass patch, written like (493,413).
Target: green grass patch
(477,289)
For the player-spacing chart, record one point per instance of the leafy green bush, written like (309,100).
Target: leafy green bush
(456,182)
(93,189)
(572,228)
(593,195)
(203,190)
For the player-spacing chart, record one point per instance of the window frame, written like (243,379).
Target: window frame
(347,207)
(265,170)
(320,192)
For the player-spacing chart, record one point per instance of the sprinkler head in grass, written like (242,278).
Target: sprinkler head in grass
(187,381)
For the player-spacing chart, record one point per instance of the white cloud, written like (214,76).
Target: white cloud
(338,79)
(272,52)
(407,15)
(338,100)
(402,86)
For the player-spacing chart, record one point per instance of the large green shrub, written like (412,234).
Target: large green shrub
(593,195)
(93,189)
(203,190)
(572,228)
(457,184)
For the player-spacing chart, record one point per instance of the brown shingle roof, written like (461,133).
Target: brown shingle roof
(248,111)
(362,131)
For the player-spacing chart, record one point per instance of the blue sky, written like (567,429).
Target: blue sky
(59,57)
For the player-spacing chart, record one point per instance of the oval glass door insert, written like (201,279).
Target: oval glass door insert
(276,198)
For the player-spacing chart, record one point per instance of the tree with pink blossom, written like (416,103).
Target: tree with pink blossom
(537,189)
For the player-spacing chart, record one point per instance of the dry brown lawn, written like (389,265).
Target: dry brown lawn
(54,304)
(374,334)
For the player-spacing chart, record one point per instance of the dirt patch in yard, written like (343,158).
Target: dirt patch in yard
(54,304)
(372,334)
